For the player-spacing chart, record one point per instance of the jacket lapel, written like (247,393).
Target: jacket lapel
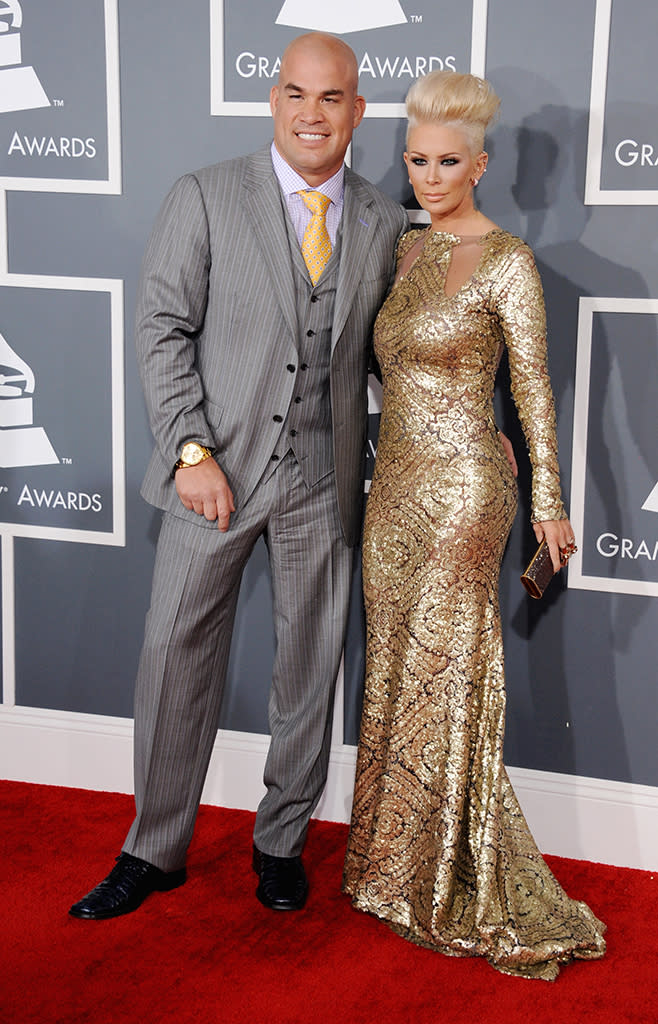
(261,198)
(359,221)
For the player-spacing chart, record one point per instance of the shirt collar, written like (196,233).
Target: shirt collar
(292,182)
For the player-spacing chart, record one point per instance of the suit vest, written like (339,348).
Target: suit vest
(306,424)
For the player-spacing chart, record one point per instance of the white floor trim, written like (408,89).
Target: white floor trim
(571,816)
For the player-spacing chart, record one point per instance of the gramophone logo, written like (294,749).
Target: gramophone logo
(20,89)
(651,504)
(21,443)
(342,15)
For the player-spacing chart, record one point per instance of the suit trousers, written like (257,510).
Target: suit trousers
(185,655)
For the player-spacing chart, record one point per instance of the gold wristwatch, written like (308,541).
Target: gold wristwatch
(192,454)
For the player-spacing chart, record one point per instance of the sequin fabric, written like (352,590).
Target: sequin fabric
(438,845)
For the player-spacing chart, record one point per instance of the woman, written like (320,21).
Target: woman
(438,845)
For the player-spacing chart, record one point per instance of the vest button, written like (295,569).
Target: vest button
(304,366)
(293,433)
(290,367)
(275,458)
(278,419)
(314,298)
(297,400)
(310,334)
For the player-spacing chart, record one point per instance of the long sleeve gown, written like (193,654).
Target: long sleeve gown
(438,845)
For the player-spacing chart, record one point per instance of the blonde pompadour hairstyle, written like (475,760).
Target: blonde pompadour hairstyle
(446,97)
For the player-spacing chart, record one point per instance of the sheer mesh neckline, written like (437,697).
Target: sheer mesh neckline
(462,238)
(463,268)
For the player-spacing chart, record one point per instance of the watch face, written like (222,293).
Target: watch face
(192,453)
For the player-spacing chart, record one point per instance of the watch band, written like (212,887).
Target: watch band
(192,454)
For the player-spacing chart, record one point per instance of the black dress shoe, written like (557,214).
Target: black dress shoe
(283,884)
(126,887)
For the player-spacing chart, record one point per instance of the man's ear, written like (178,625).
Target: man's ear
(359,110)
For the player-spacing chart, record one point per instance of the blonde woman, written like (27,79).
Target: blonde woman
(438,845)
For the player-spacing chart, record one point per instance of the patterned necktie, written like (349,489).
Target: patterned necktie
(316,244)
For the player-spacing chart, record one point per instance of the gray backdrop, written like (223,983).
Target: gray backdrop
(581,664)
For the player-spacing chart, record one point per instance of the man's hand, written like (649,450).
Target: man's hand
(509,451)
(204,489)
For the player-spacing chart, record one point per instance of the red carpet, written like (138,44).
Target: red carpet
(209,952)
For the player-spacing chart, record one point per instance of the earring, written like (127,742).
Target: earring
(476,181)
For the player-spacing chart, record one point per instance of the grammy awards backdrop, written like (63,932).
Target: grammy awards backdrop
(103,104)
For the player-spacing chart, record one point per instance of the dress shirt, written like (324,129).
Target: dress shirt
(291,183)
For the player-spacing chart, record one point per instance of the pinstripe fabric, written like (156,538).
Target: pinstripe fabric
(214,276)
(217,341)
(307,429)
(185,654)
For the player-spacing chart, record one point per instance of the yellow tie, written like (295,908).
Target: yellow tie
(316,244)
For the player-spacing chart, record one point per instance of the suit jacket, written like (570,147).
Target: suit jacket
(217,326)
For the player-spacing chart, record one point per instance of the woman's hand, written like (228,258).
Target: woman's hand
(560,539)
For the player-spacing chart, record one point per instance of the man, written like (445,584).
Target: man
(261,282)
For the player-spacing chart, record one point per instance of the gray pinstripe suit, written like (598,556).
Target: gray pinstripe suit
(218,339)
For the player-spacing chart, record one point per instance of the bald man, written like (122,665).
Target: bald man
(260,284)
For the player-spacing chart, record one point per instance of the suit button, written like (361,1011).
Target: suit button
(297,400)
(278,419)
(293,433)
(275,458)
(310,334)
(290,367)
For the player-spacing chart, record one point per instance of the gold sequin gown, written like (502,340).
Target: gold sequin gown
(438,845)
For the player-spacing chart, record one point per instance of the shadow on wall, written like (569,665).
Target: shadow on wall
(394,179)
(545,206)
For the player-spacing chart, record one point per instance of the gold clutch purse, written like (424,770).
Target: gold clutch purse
(540,571)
